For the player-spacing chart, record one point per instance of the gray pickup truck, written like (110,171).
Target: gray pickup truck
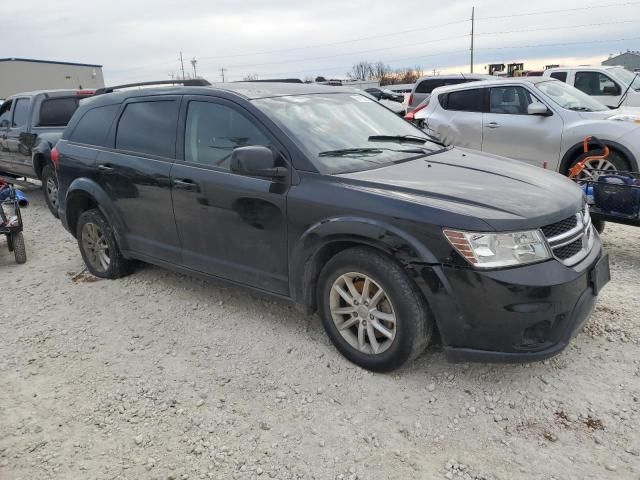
(30,125)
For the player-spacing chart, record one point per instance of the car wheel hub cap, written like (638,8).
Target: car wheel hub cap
(362,313)
(587,172)
(95,246)
(52,191)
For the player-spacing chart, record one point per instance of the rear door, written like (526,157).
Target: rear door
(231,226)
(459,121)
(5,124)
(135,174)
(509,130)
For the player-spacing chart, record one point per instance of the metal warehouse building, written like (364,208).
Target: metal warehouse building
(629,60)
(24,75)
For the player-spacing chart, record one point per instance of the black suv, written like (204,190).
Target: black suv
(322,196)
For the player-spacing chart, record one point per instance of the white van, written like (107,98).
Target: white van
(605,84)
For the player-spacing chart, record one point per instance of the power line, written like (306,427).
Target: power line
(557,28)
(347,53)
(546,12)
(385,35)
(564,44)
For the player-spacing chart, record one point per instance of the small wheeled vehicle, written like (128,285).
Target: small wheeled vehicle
(612,195)
(11,221)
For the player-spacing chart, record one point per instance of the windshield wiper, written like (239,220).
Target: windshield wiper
(365,151)
(397,138)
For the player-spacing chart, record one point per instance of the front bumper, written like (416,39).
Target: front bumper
(513,315)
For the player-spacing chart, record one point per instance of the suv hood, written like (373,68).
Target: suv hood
(505,194)
(605,114)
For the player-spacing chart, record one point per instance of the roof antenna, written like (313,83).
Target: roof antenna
(463,77)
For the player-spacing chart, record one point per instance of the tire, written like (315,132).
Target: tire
(98,246)
(615,159)
(50,188)
(400,299)
(10,242)
(19,249)
(598,225)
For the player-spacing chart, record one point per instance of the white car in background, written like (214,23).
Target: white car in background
(538,120)
(609,85)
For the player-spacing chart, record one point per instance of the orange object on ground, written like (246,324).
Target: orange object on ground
(578,167)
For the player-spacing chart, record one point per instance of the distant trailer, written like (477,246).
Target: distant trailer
(24,75)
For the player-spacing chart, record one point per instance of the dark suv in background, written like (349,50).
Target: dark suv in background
(321,196)
(30,125)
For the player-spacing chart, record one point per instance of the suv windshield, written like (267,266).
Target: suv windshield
(568,97)
(626,77)
(335,130)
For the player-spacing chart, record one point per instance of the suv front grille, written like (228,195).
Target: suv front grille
(560,227)
(571,239)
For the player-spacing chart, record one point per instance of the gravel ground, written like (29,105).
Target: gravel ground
(162,376)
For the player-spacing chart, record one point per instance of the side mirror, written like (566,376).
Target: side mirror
(613,90)
(256,161)
(538,108)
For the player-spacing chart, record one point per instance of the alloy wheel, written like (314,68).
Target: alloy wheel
(52,191)
(587,172)
(95,247)
(362,312)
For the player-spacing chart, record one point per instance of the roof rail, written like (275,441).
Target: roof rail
(198,82)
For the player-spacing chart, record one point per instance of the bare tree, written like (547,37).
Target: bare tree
(360,71)
(250,77)
(382,72)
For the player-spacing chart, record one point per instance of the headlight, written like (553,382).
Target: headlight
(493,250)
(625,118)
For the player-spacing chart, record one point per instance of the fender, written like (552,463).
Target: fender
(356,230)
(85,187)
(571,153)
(41,150)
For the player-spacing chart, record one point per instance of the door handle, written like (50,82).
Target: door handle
(185,184)
(493,125)
(105,168)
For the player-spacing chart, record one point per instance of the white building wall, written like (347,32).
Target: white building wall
(23,76)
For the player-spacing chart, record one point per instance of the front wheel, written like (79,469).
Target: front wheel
(19,248)
(371,310)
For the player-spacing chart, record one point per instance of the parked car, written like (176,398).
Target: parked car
(384,94)
(608,85)
(30,125)
(321,196)
(538,120)
(424,86)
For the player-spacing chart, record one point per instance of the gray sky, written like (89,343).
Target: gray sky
(141,39)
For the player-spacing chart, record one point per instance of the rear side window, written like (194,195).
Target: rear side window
(21,112)
(464,100)
(149,127)
(94,125)
(562,76)
(427,86)
(56,112)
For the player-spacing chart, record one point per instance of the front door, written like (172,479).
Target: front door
(135,175)
(509,130)
(599,86)
(231,226)
(16,148)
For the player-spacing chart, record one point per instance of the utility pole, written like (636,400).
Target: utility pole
(193,64)
(473,22)
(182,65)
(222,70)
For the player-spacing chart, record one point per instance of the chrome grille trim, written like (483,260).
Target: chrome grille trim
(583,231)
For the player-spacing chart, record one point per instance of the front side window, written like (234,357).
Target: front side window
(335,130)
(465,100)
(596,84)
(21,113)
(510,100)
(213,131)
(149,128)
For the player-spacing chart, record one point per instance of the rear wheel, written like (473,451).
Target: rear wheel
(372,311)
(19,249)
(98,246)
(50,188)
(613,162)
